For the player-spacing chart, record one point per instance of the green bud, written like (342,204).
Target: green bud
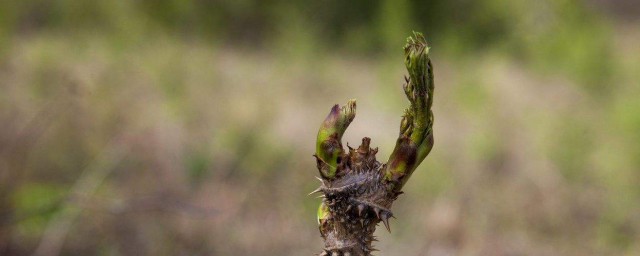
(416,127)
(329,149)
(323,213)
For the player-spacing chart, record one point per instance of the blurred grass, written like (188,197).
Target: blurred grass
(217,104)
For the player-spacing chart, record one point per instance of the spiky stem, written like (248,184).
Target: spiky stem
(357,190)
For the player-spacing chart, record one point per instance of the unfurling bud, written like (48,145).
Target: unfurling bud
(329,151)
(416,134)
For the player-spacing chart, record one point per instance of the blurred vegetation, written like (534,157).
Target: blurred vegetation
(186,127)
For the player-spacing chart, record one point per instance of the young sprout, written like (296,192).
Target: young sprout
(357,190)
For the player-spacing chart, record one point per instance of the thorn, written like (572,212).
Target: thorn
(349,207)
(320,179)
(385,220)
(377,211)
(360,209)
(315,191)
(397,194)
(320,196)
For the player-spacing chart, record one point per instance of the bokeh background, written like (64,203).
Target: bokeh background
(186,127)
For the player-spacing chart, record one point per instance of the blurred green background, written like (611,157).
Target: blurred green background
(186,127)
